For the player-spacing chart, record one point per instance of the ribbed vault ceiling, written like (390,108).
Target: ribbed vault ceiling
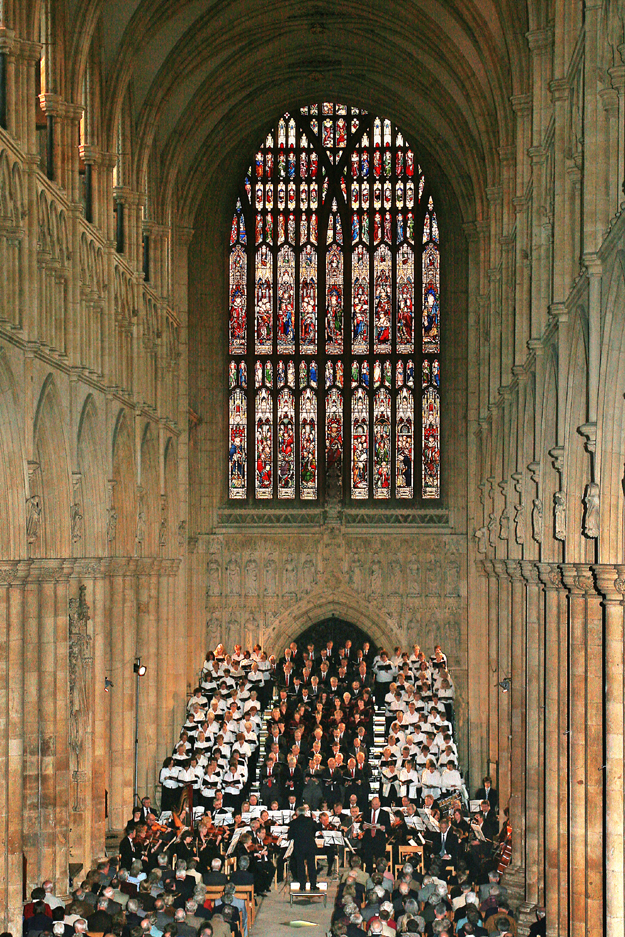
(207,79)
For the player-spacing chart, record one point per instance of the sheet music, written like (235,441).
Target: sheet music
(478,832)
(235,839)
(332,838)
(225,819)
(474,806)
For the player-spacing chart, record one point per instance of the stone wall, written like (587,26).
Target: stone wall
(400,587)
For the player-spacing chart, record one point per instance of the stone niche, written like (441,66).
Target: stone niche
(401,587)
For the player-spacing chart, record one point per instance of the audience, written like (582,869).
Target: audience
(364,742)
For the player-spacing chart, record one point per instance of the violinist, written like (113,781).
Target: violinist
(461,828)
(185,848)
(353,831)
(261,866)
(220,813)
(209,838)
(329,850)
(399,834)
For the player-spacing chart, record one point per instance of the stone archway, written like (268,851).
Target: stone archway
(326,602)
(333,629)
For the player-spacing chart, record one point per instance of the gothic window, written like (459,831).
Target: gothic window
(334,244)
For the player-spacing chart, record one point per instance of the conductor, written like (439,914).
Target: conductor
(302,833)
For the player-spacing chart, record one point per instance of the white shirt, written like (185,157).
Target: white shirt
(53,902)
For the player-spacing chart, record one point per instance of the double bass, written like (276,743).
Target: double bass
(504,850)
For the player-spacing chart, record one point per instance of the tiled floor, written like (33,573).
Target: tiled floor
(275,914)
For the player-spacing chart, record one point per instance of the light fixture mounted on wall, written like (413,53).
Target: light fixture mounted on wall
(505,684)
(108,684)
(139,668)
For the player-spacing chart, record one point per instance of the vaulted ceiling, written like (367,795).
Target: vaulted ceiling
(206,78)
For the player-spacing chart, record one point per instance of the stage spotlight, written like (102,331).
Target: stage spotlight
(139,668)
(505,684)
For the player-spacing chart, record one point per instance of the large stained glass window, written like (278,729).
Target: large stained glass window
(334,245)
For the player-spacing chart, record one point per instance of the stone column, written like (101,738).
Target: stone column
(493,668)
(87,622)
(101,622)
(145,620)
(12,578)
(534,751)
(165,653)
(504,664)
(556,768)
(577,731)
(594,754)
(611,583)
(122,723)
(46,762)
(515,876)
(128,639)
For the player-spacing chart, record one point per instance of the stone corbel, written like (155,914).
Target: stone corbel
(589,432)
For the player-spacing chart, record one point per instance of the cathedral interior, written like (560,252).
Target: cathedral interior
(126,131)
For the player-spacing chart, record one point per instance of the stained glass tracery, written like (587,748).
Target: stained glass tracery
(333,242)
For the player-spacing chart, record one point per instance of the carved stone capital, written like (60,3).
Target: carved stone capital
(43,570)
(571,578)
(145,565)
(513,568)
(171,566)
(550,575)
(610,581)
(529,572)
(500,569)
(90,567)
(8,573)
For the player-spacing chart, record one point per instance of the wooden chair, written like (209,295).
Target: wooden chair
(244,892)
(213,892)
(405,851)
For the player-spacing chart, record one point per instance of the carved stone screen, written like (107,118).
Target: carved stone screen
(334,316)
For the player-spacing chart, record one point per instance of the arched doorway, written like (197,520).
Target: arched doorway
(333,629)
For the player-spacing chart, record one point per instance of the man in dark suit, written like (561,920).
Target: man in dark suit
(445,843)
(302,832)
(373,843)
(127,850)
(100,921)
(270,781)
(292,780)
(490,826)
(242,875)
(215,876)
(488,792)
